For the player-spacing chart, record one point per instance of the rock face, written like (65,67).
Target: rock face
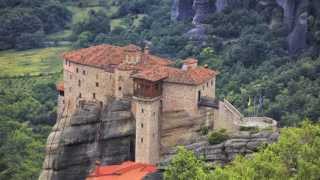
(202,9)
(91,134)
(295,15)
(182,10)
(244,143)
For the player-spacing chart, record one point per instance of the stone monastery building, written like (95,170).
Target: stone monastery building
(154,87)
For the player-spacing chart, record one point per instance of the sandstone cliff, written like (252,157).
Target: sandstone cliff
(294,14)
(90,134)
(108,134)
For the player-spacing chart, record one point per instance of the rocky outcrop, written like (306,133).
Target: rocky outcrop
(294,15)
(202,9)
(243,143)
(182,10)
(91,133)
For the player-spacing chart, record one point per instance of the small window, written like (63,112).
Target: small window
(212,82)
(62,101)
(66,62)
(79,83)
(94,95)
(120,88)
(77,70)
(84,72)
(97,84)
(141,140)
(142,110)
(69,63)
(207,84)
(80,95)
(141,125)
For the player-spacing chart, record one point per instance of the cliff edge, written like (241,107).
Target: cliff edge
(91,133)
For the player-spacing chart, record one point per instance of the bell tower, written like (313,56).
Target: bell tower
(132,54)
(147,95)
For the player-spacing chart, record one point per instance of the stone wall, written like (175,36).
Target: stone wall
(179,97)
(87,83)
(91,133)
(123,84)
(147,130)
(227,117)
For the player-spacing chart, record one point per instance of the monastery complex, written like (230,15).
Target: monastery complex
(157,90)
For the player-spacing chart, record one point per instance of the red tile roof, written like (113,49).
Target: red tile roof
(98,56)
(60,86)
(190,61)
(104,55)
(126,171)
(132,48)
(151,73)
(194,76)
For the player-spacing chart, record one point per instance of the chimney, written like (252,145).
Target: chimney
(189,63)
(146,49)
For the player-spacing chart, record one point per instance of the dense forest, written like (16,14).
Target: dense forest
(257,72)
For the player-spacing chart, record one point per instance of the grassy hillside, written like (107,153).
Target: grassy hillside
(31,62)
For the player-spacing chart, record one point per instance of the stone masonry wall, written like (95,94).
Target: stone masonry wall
(123,84)
(92,81)
(147,130)
(177,97)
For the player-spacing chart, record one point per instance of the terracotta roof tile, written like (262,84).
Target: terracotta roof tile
(151,73)
(194,76)
(98,56)
(190,61)
(132,47)
(105,55)
(126,171)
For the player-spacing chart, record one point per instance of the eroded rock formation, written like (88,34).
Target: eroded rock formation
(182,10)
(295,14)
(90,134)
(243,143)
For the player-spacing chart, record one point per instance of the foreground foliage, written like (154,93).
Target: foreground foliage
(295,156)
(27,112)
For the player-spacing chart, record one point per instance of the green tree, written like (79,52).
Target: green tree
(185,165)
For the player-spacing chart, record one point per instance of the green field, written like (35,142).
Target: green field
(31,62)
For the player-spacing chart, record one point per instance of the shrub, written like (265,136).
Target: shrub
(186,165)
(249,128)
(217,137)
(204,130)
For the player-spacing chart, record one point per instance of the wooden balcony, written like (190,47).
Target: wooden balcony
(147,89)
